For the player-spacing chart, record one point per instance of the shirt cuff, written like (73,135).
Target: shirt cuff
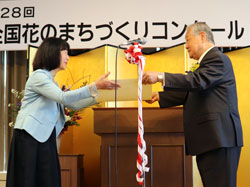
(93,90)
(163,79)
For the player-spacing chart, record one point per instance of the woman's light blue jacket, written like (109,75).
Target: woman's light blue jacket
(43,105)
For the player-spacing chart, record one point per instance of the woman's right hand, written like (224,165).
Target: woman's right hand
(104,83)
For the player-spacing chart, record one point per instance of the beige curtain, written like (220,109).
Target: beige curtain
(13,68)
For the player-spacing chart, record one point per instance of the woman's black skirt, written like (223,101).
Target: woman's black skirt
(31,163)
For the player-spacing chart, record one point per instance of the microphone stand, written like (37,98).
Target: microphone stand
(116,168)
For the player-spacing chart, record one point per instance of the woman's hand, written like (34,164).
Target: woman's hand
(104,83)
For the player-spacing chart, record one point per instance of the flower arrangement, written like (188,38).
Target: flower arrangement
(15,107)
(72,116)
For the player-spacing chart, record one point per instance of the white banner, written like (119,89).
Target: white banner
(91,23)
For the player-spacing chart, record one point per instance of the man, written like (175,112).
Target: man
(212,124)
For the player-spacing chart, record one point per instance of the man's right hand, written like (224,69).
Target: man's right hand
(155,97)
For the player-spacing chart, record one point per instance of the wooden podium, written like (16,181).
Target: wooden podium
(71,170)
(169,166)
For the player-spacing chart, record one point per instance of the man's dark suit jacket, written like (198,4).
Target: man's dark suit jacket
(209,99)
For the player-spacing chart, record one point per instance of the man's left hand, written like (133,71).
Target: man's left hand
(150,77)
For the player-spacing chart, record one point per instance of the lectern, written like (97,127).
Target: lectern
(71,170)
(169,166)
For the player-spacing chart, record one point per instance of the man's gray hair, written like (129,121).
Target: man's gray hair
(202,27)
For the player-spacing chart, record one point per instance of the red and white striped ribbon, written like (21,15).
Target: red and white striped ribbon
(134,56)
(142,159)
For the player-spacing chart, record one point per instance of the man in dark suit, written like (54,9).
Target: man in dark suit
(212,124)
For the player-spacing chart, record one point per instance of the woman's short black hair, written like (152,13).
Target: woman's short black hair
(48,54)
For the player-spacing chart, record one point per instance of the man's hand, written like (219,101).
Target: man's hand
(155,97)
(150,77)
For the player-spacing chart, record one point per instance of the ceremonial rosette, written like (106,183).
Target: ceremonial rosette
(133,53)
(134,56)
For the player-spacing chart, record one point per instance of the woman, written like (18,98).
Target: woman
(33,159)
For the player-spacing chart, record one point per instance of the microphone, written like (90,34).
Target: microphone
(141,40)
